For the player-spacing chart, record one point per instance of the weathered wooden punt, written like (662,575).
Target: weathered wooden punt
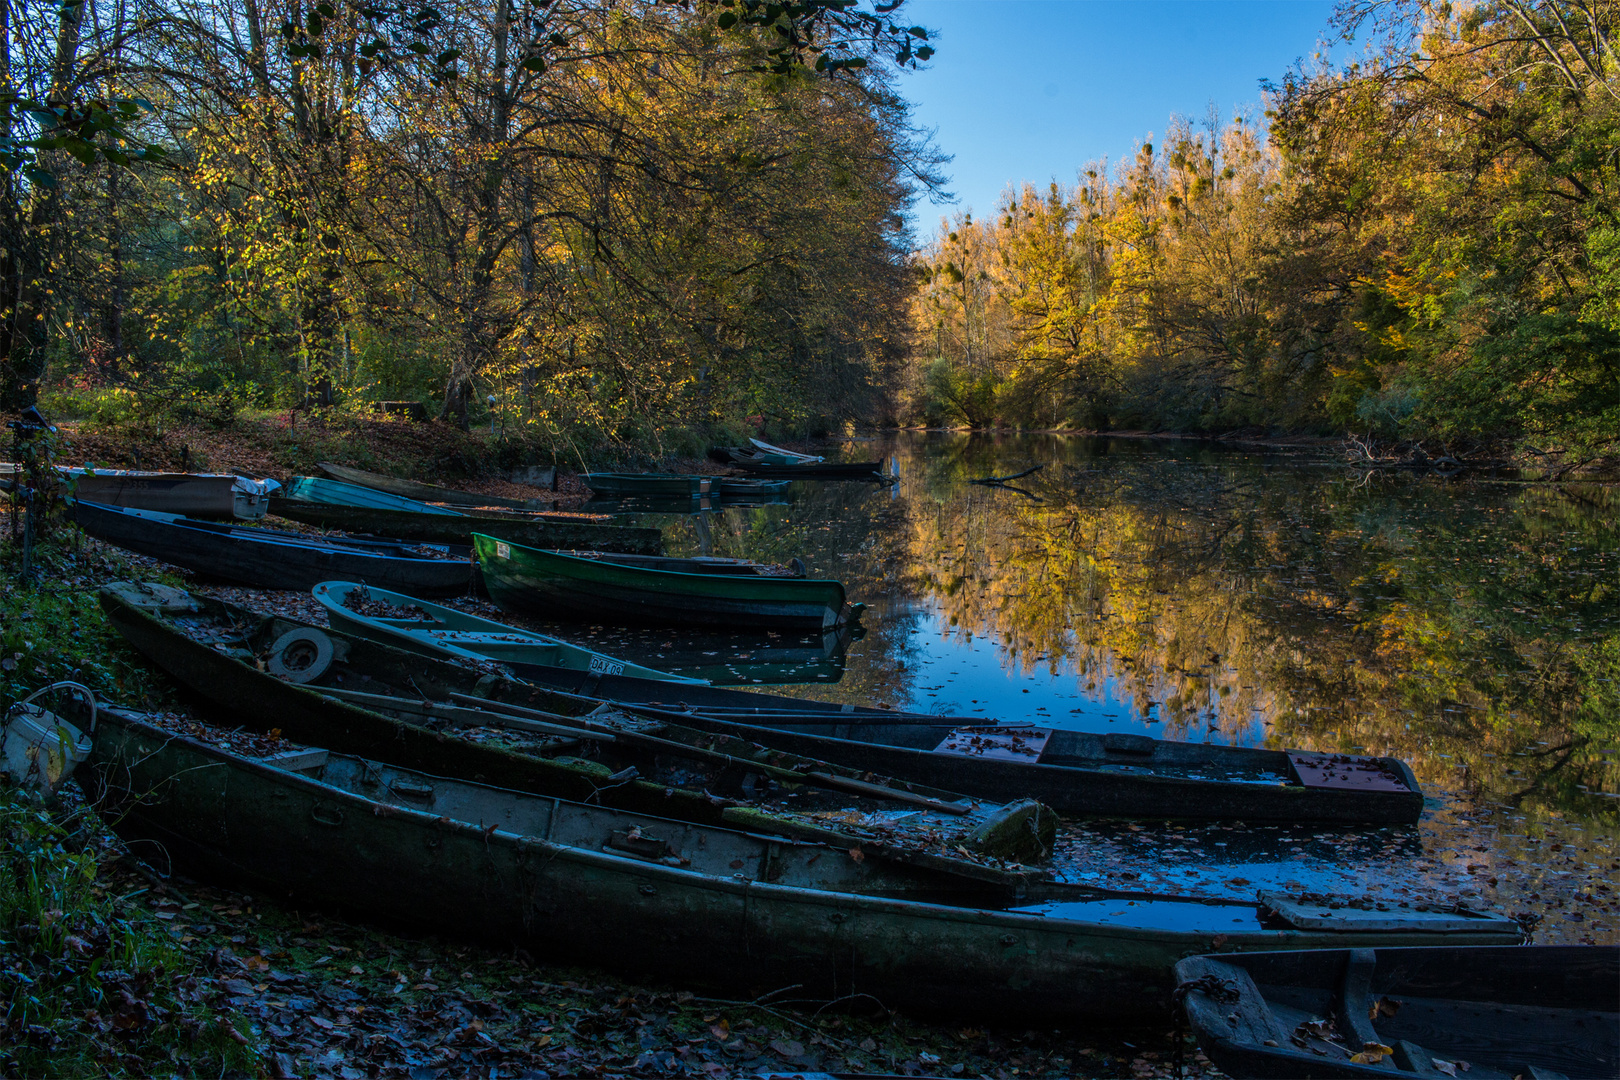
(749,659)
(338,493)
(561,585)
(543,530)
(712,907)
(356,696)
(197,495)
(775,466)
(1541,1011)
(785,455)
(740,487)
(427,493)
(618,485)
(1075,772)
(443,631)
(268,559)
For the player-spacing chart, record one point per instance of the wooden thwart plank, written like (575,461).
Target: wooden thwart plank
(996,744)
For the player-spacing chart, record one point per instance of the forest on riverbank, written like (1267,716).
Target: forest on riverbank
(640,225)
(1419,245)
(598,219)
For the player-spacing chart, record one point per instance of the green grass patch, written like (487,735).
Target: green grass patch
(89,982)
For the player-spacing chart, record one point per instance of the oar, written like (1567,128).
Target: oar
(815,777)
(468,717)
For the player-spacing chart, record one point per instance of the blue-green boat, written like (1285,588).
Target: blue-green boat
(391,618)
(337,493)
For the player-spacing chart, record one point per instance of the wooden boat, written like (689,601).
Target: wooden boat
(1075,772)
(1487,1014)
(196,495)
(440,631)
(772,465)
(336,492)
(542,530)
(618,506)
(742,487)
(418,626)
(309,683)
(618,485)
(710,906)
(428,493)
(751,659)
(274,560)
(593,587)
(785,455)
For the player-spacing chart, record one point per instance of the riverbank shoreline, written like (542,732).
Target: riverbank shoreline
(1353,450)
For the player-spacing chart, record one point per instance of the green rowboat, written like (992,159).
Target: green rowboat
(418,626)
(597,588)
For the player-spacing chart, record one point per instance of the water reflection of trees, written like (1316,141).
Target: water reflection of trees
(1469,629)
(840,530)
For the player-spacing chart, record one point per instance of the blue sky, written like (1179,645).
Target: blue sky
(1033,89)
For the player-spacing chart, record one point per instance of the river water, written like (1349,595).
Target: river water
(1470,626)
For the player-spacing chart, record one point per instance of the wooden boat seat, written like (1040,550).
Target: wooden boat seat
(1355,991)
(1121,743)
(1343,772)
(1250,1019)
(297,760)
(996,744)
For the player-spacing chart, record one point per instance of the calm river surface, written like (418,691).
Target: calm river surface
(1468,626)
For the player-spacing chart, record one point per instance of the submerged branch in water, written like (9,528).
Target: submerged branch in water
(1004,479)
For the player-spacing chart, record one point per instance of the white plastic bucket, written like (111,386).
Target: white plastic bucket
(40,749)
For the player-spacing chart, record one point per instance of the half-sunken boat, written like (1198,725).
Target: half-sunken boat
(269,559)
(738,488)
(592,532)
(759,463)
(418,626)
(603,588)
(1075,772)
(1481,1013)
(315,684)
(743,658)
(619,485)
(715,907)
(196,495)
(428,493)
(415,625)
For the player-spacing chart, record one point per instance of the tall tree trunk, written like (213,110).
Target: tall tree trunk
(112,319)
(29,215)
